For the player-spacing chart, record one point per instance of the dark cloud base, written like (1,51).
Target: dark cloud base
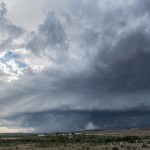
(74,120)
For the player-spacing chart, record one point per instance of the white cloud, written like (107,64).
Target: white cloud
(91,126)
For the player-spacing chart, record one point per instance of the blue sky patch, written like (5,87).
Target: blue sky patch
(12,56)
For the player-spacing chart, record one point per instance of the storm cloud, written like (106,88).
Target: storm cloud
(50,39)
(8,31)
(87,66)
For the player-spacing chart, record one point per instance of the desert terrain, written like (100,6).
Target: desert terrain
(127,139)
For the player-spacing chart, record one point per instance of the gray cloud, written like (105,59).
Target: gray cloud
(74,120)
(3,10)
(127,64)
(104,58)
(8,31)
(50,39)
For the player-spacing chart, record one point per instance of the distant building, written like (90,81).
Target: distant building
(41,135)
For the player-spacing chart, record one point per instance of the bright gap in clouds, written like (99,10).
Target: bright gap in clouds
(18,130)
(11,65)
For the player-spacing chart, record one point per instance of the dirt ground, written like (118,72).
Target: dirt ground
(75,147)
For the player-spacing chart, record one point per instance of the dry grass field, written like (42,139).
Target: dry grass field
(132,139)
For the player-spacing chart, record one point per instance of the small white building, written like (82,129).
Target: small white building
(41,135)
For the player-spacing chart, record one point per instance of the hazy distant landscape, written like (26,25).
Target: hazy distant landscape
(131,139)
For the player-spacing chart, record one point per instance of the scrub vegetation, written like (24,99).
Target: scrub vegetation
(73,142)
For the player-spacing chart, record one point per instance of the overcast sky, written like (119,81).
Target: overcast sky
(68,65)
